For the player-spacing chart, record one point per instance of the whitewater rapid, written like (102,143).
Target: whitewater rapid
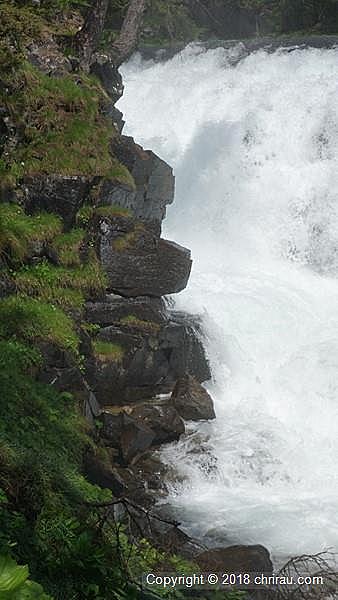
(254,146)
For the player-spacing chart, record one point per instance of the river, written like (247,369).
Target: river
(254,147)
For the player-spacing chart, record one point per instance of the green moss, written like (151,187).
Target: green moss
(67,247)
(18,230)
(31,320)
(147,326)
(106,351)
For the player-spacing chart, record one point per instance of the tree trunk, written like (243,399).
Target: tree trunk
(87,39)
(128,38)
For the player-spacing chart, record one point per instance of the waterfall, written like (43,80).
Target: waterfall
(254,145)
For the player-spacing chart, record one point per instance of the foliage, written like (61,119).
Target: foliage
(14,582)
(19,231)
(107,351)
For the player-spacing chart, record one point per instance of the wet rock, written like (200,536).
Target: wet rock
(181,341)
(134,429)
(60,194)
(154,180)
(155,474)
(114,308)
(129,436)
(152,356)
(136,262)
(103,67)
(191,400)
(236,559)
(162,418)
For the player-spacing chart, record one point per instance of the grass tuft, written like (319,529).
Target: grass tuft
(67,248)
(19,231)
(63,285)
(30,320)
(133,322)
(107,351)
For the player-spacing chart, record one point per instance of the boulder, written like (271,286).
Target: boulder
(129,436)
(136,262)
(235,559)
(134,429)
(114,308)
(154,179)
(181,343)
(60,194)
(191,400)
(162,418)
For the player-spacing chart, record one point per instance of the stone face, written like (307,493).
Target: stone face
(60,194)
(114,308)
(155,183)
(236,559)
(111,79)
(191,400)
(129,436)
(162,418)
(136,262)
(133,429)
(153,357)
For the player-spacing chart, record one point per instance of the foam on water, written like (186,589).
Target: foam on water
(254,145)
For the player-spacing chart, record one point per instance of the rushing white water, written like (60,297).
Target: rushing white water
(254,145)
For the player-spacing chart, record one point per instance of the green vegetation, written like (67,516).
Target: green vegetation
(14,582)
(106,351)
(67,248)
(30,320)
(19,231)
(88,212)
(147,326)
(63,285)
(65,132)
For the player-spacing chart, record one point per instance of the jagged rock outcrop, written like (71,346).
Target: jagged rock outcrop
(151,357)
(114,308)
(60,194)
(134,429)
(155,184)
(191,400)
(137,262)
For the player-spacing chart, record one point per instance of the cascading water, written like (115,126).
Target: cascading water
(254,145)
